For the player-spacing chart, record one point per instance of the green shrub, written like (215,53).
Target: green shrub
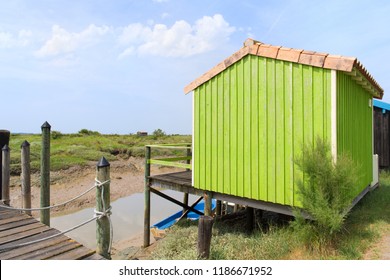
(325,191)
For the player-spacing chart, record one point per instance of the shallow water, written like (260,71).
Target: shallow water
(127,217)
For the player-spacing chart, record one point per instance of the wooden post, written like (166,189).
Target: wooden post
(250,215)
(26,176)
(147,198)
(185,196)
(204,236)
(103,230)
(4,140)
(45,174)
(218,208)
(5,174)
(207,204)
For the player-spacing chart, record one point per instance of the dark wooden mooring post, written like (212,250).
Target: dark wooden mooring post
(250,219)
(204,236)
(185,195)
(4,140)
(45,174)
(26,176)
(103,230)
(5,174)
(147,198)
(207,204)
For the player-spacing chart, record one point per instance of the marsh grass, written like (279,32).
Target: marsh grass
(68,150)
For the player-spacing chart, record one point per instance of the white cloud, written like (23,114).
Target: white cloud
(63,41)
(179,40)
(9,40)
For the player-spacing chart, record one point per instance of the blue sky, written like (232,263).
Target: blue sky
(121,66)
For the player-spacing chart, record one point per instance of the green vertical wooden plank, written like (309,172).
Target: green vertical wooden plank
(288,136)
(240,128)
(271,130)
(318,93)
(233,131)
(308,104)
(247,153)
(226,132)
(196,145)
(255,96)
(208,135)
(298,121)
(202,136)
(279,130)
(263,123)
(214,133)
(220,150)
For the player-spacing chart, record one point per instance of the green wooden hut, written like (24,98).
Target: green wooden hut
(253,111)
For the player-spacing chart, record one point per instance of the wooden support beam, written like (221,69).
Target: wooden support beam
(207,204)
(163,195)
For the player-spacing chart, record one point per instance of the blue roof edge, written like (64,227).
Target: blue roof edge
(382,105)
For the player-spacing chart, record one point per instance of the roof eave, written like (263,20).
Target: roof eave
(349,65)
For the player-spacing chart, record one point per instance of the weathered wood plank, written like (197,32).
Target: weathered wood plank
(8,214)
(45,234)
(50,251)
(32,248)
(16,224)
(21,229)
(14,219)
(76,254)
(24,234)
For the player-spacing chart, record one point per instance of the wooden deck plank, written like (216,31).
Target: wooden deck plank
(14,219)
(17,224)
(9,214)
(50,251)
(32,248)
(76,254)
(24,234)
(50,232)
(21,229)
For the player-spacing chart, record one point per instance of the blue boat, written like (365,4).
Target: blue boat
(158,229)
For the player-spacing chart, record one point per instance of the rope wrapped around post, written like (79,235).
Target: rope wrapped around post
(103,208)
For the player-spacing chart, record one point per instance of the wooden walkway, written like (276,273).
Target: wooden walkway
(18,228)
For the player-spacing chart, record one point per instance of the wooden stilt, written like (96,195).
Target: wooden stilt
(147,199)
(204,236)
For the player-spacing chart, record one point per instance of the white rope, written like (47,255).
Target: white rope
(106,212)
(97,184)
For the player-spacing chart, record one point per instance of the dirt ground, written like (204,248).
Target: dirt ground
(127,177)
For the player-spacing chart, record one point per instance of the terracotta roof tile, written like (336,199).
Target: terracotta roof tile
(338,62)
(268,51)
(289,54)
(312,58)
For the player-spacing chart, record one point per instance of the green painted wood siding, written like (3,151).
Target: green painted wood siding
(250,122)
(354,126)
